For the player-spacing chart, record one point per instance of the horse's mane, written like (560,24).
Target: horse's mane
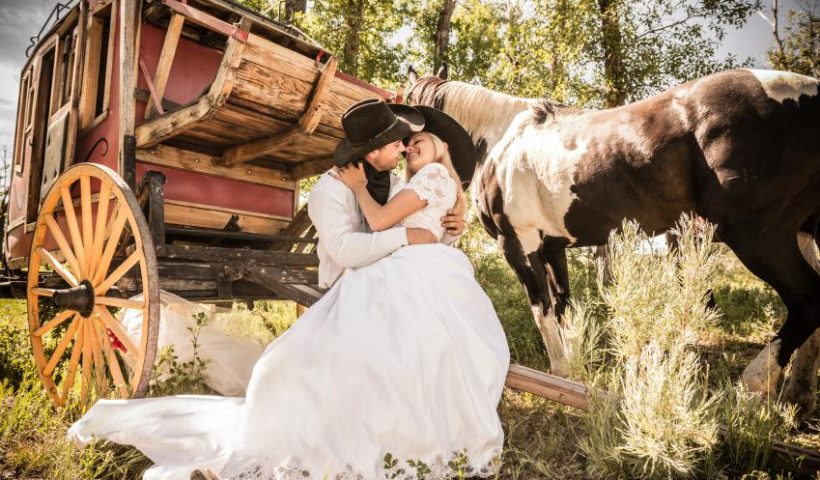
(479,109)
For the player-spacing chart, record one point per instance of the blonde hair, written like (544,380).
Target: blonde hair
(443,157)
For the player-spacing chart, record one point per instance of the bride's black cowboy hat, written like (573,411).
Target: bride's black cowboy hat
(372,124)
(459,143)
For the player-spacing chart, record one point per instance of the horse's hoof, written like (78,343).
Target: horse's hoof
(204,474)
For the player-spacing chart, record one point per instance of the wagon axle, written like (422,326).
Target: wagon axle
(79,298)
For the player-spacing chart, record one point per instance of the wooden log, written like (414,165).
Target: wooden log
(166,59)
(208,164)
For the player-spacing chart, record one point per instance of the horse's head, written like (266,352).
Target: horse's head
(422,90)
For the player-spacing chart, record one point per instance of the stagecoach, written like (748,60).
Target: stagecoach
(160,145)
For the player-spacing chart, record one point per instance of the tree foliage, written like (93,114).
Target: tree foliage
(798,49)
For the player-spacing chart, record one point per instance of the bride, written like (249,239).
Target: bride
(396,372)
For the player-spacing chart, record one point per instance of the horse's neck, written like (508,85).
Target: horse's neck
(484,113)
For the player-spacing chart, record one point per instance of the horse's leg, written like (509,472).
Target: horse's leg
(801,388)
(777,260)
(534,277)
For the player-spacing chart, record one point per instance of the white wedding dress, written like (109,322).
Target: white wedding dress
(404,357)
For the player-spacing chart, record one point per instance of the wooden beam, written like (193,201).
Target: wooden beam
(313,114)
(162,128)
(310,168)
(128,20)
(166,59)
(248,151)
(208,21)
(262,257)
(208,164)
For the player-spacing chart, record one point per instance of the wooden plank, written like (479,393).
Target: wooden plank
(166,59)
(551,387)
(208,164)
(263,257)
(313,113)
(208,21)
(179,213)
(91,64)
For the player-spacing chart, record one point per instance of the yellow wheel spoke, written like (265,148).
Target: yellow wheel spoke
(119,302)
(114,368)
(88,226)
(96,355)
(57,266)
(99,231)
(43,292)
(112,324)
(87,364)
(73,227)
(58,352)
(110,246)
(60,318)
(68,381)
(118,273)
(65,249)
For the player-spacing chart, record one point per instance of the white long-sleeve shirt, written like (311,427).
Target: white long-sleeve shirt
(343,241)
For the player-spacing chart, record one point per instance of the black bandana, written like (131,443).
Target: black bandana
(378,183)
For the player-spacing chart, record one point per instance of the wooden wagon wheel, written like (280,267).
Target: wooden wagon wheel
(99,260)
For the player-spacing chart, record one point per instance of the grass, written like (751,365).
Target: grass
(544,440)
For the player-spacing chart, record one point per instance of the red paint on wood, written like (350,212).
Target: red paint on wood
(188,186)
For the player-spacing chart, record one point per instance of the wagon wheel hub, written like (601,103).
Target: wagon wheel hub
(79,298)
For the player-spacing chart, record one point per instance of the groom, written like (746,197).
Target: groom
(374,131)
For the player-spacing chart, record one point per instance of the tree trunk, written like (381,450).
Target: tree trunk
(615,91)
(350,52)
(294,6)
(442,35)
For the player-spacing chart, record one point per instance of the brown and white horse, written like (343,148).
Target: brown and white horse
(740,148)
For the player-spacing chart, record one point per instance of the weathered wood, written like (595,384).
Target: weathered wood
(208,21)
(315,109)
(205,216)
(128,19)
(203,163)
(154,99)
(222,234)
(91,64)
(166,59)
(251,150)
(161,128)
(310,168)
(269,278)
(218,254)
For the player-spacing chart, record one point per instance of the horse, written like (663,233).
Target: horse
(740,148)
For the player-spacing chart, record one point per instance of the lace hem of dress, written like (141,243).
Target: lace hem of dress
(458,466)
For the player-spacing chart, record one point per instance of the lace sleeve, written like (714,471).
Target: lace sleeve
(433,184)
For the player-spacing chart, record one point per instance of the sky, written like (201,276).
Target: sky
(21,19)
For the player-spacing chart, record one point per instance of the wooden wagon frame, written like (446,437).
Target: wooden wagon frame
(196,172)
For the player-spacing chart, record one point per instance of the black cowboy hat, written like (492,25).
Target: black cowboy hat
(459,143)
(372,124)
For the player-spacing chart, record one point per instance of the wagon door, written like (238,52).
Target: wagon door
(61,128)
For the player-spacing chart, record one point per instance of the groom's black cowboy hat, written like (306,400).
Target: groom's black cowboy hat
(459,143)
(372,124)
